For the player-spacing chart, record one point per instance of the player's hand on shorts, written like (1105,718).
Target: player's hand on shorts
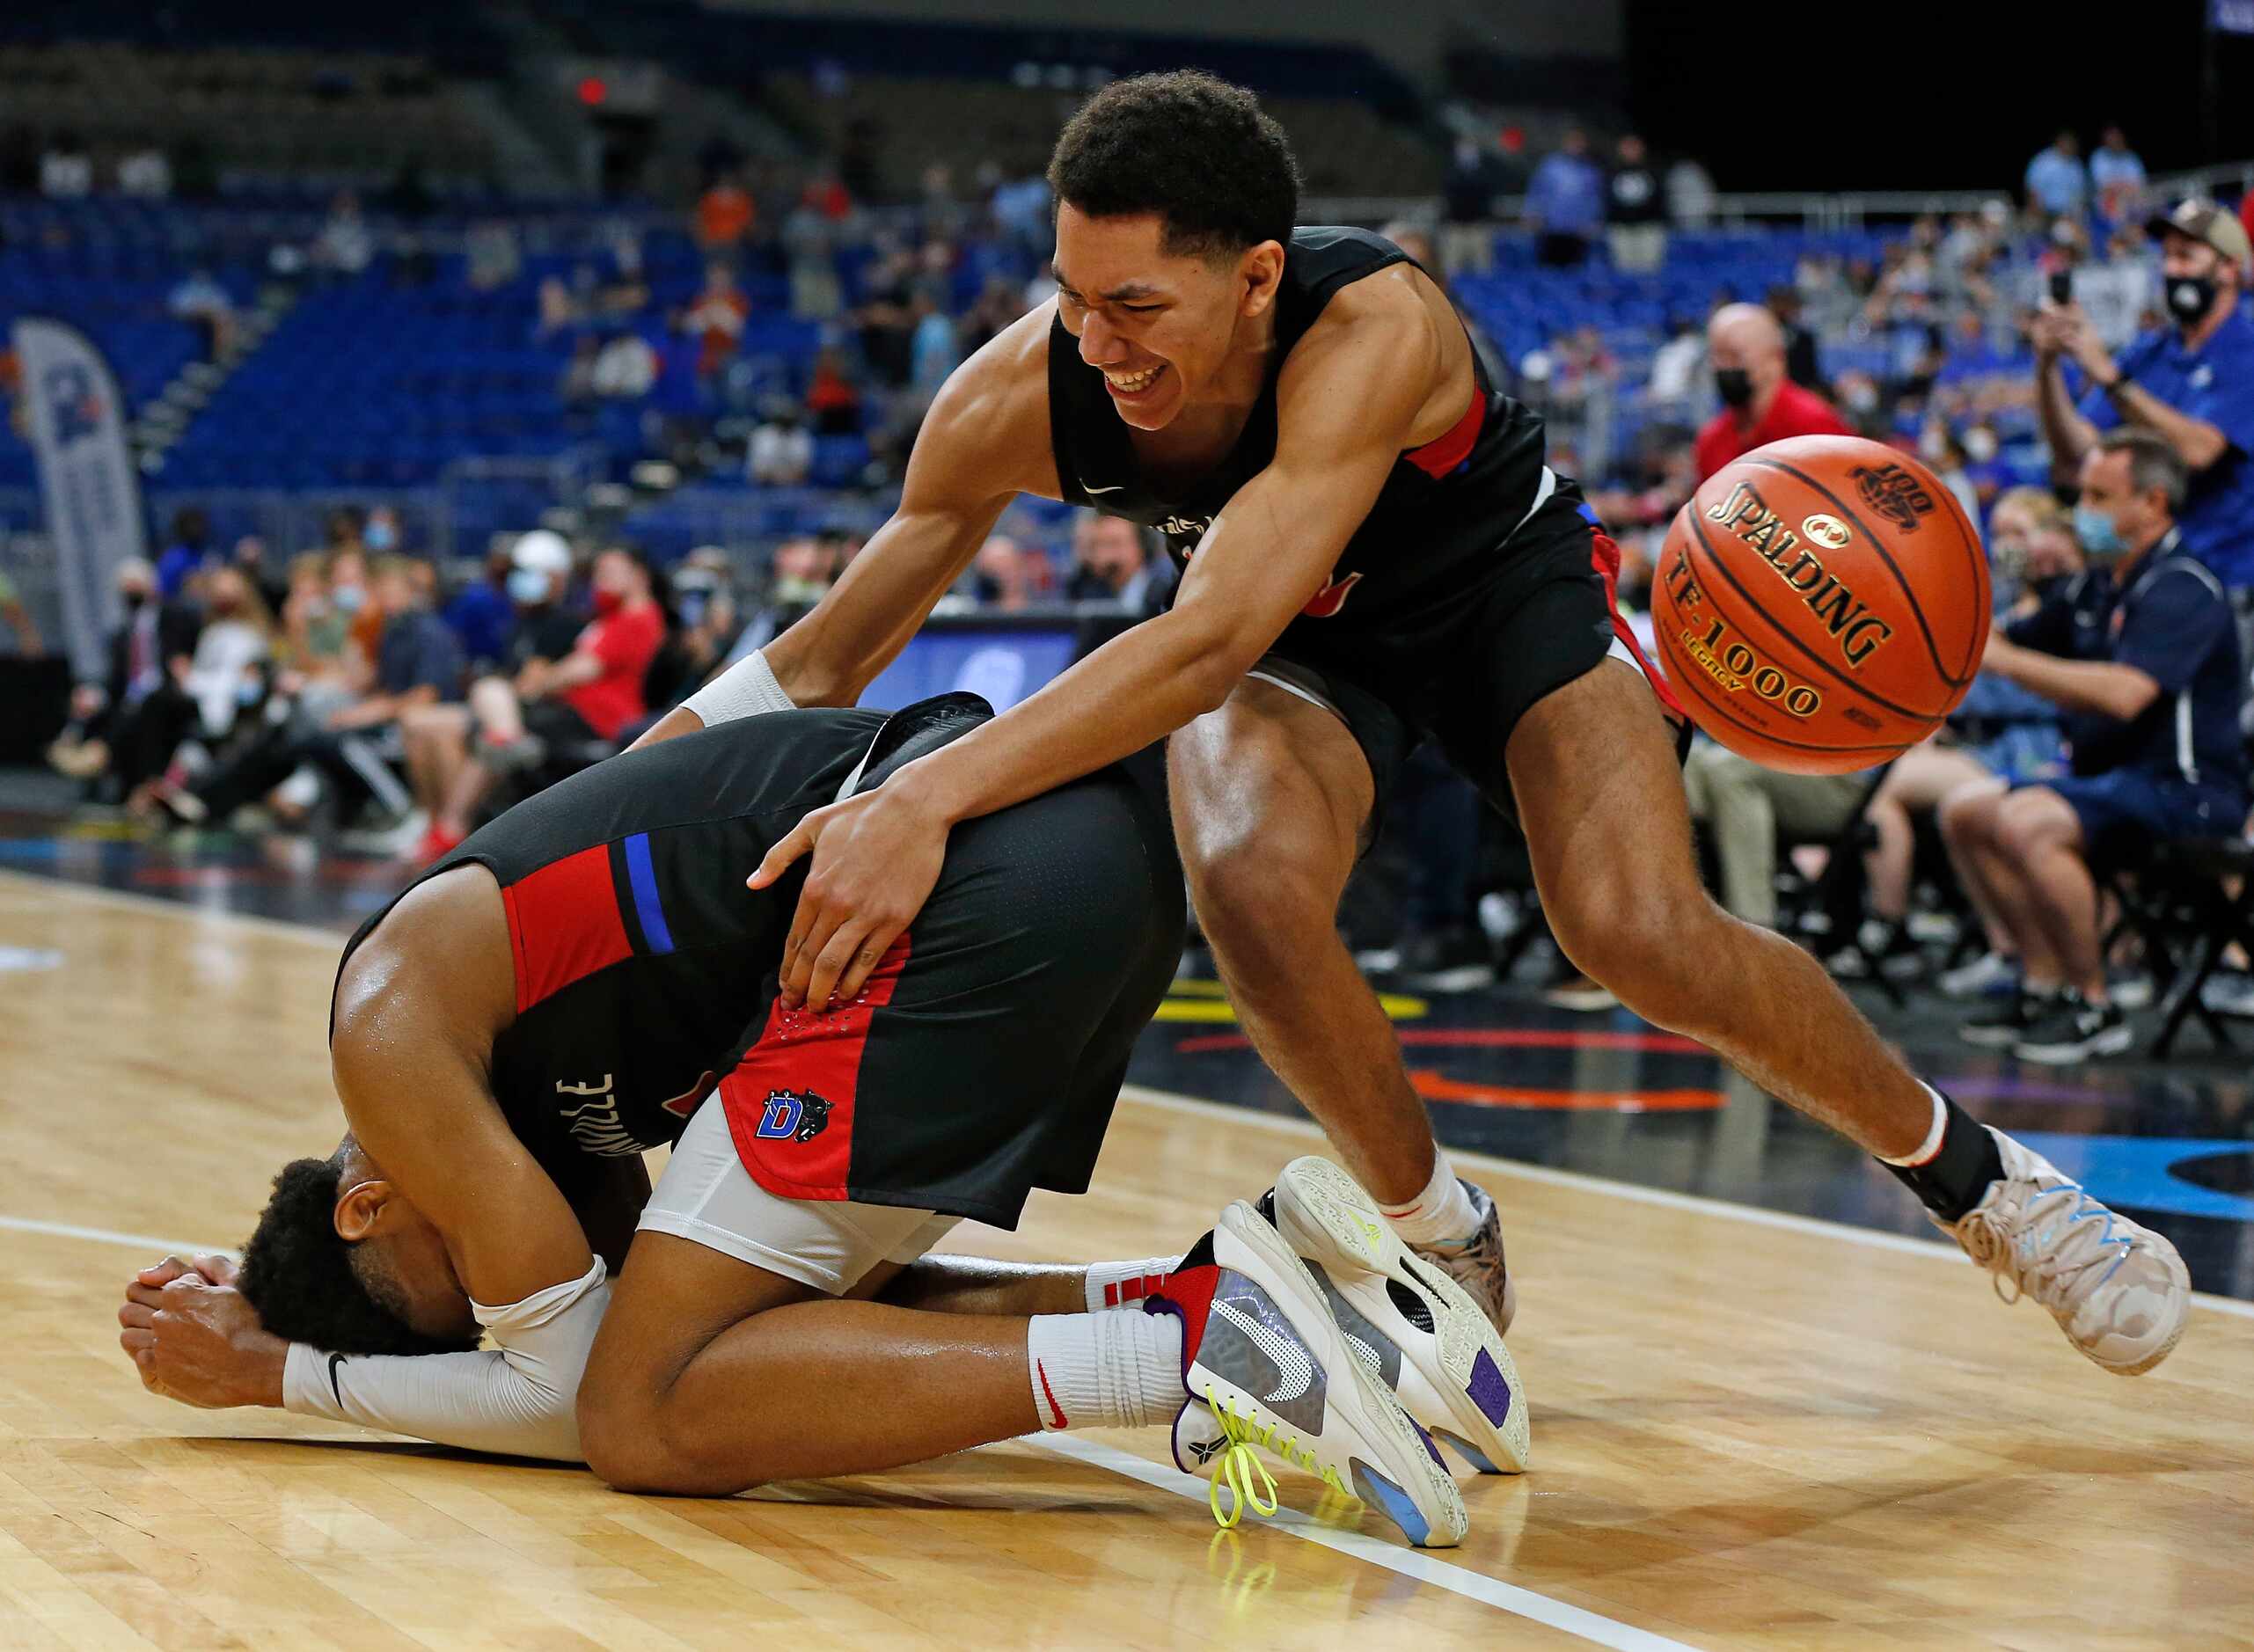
(200,1342)
(876,857)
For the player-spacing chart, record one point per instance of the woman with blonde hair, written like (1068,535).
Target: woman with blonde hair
(2031,544)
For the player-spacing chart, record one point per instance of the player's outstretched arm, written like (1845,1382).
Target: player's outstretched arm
(984,441)
(1347,401)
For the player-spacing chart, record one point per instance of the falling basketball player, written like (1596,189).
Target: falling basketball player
(572,987)
(1374,554)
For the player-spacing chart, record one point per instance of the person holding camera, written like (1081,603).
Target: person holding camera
(2191,381)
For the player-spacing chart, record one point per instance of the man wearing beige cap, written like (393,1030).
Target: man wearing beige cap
(2191,380)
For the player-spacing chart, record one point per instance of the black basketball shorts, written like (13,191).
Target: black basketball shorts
(1546,616)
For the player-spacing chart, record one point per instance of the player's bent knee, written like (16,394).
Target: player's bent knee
(1647,947)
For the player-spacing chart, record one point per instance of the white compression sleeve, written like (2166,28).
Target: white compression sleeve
(520,1398)
(746,689)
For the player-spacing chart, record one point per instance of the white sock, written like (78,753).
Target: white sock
(1124,1284)
(1121,1369)
(1925,1150)
(1440,1215)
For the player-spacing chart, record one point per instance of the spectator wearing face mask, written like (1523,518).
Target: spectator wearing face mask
(2190,380)
(2142,659)
(1759,404)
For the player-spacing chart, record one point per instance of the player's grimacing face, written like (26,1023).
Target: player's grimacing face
(1158,326)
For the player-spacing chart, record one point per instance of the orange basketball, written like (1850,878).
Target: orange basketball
(1821,604)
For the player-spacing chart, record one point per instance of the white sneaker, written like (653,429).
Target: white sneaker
(1264,1357)
(2228,992)
(1428,1338)
(2119,1291)
(1985,973)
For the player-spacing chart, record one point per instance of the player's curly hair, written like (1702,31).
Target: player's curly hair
(1189,147)
(304,1282)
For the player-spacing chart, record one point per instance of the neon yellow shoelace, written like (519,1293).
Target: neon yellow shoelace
(1239,1466)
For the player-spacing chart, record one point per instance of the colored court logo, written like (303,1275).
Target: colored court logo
(793,1116)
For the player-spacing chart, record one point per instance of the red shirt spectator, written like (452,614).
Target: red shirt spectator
(717,320)
(624,642)
(1746,343)
(725,216)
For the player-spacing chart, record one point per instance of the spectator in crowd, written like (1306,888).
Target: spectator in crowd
(706,624)
(1691,195)
(226,672)
(2017,741)
(726,214)
(1468,204)
(1677,371)
(626,368)
(717,320)
(417,662)
(2057,182)
(553,710)
(1003,575)
(1022,211)
(345,244)
(185,557)
(2191,380)
(379,530)
(832,396)
(1759,404)
(933,354)
(66,168)
(781,450)
(1111,562)
(999,303)
(1636,210)
(437,738)
(1802,363)
(2117,175)
(18,618)
(804,569)
(483,615)
(2143,661)
(1945,455)
(494,254)
(271,583)
(2115,291)
(144,170)
(1565,204)
(1743,806)
(123,731)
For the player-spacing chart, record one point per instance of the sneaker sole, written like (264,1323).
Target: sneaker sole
(2114,1040)
(1991,1037)
(1345,1230)
(1410,1459)
(2182,1275)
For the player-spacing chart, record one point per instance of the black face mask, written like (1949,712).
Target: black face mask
(136,601)
(2190,298)
(1735,386)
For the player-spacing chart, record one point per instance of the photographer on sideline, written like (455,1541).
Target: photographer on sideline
(2192,381)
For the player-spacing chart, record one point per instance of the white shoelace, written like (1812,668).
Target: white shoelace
(2014,1242)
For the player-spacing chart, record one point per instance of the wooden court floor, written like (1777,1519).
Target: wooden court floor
(1749,1431)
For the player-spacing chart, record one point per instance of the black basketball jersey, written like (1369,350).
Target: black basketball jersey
(640,958)
(1436,530)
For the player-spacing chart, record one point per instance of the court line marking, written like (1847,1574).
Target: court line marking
(1418,1565)
(104,1236)
(1932,1250)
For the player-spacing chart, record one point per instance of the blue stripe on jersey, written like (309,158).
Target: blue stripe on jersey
(647,907)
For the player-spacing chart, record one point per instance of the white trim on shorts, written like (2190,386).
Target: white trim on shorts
(706,1196)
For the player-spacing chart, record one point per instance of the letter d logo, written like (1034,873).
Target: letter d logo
(779,1121)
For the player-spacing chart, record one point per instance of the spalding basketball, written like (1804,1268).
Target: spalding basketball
(1821,604)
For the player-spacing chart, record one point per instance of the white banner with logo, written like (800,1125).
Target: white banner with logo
(88,484)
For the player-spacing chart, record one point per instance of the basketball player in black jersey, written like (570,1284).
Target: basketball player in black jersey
(1373,553)
(571,987)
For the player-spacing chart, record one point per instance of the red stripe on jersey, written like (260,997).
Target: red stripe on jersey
(1605,555)
(564,924)
(806,1057)
(1437,457)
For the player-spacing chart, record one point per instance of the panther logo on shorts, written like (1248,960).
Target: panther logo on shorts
(793,1116)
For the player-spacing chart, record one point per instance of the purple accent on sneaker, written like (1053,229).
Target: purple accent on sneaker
(1488,1390)
(1156,1304)
(1427,1438)
(1174,1433)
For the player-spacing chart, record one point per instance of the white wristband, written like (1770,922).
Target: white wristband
(747,689)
